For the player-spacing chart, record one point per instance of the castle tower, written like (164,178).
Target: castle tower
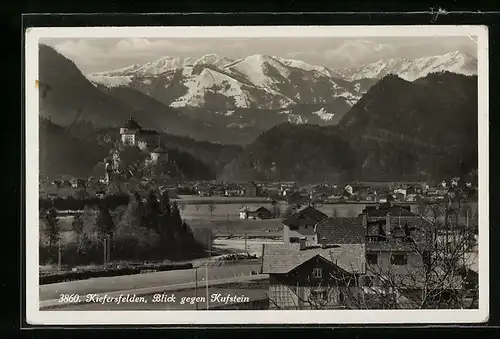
(159,154)
(129,131)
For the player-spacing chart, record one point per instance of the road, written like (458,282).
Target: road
(137,281)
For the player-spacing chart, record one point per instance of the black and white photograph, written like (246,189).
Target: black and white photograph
(220,175)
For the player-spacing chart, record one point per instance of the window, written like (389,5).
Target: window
(399,259)
(371,258)
(372,239)
(317,273)
(294,239)
(319,294)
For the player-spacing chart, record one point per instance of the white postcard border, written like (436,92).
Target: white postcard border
(36,317)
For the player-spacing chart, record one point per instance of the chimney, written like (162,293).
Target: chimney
(388,225)
(302,242)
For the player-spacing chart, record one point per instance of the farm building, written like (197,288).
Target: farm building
(254,213)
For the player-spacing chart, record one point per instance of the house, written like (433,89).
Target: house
(340,230)
(398,248)
(296,198)
(256,213)
(251,190)
(133,134)
(301,224)
(204,191)
(302,277)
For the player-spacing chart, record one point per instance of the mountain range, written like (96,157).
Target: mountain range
(292,120)
(256,92)
(399,130)
(456,62)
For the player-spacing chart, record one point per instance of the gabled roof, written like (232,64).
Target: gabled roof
(252,183)
(393,211)
(252,209)
(309,213)
(283,258)
(341,230)
(132,124)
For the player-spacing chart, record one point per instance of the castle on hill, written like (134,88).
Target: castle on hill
(133,134)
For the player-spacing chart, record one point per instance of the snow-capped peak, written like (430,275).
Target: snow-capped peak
(214,59)
(305,66)
(256,69)
(207,59)
(456,62)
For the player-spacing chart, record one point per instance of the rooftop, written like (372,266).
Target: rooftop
(132,124)
(341,230)
(384,209)
(309,213)
(283,258)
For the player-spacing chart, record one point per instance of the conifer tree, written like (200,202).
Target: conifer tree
(52,226)
(104,221)
(77,226)
(152,211)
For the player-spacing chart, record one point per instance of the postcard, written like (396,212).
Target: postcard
(257,175)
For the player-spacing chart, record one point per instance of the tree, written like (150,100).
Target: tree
(211,208)
(52,226)
(436,270)
(104,221)
(152,210)
(175,218)
(77,226)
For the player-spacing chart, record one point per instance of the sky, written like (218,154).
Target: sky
(103,54)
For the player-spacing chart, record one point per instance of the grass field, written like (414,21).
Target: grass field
(229,211)
(238,227)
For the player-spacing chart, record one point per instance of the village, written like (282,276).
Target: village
(317,246)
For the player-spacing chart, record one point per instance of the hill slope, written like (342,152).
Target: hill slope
(61,153)
(427,127)
(398,131)
(72,97)
(78,150)
(294,152)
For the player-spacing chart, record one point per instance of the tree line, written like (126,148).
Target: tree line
(72,203)
(145,230)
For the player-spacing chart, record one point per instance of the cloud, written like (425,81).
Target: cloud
(79,49)
(356,50)
(88,52)
(142,46)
